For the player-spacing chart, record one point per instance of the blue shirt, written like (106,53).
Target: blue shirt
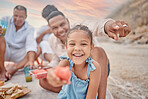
(23,38)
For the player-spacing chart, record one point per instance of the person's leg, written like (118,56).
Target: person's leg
(45,84)
(46,51)
(99,55)
(48,56)
(14,67)
(2,53)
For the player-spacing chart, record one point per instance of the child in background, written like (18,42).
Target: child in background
(85,72)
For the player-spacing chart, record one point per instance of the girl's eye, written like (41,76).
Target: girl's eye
(71,44)
(83,44)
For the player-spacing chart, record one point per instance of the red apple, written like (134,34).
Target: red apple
(63,73)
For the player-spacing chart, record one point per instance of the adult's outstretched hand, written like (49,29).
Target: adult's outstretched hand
(116,29)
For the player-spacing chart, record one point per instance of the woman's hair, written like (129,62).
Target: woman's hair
(20,7)
(47,10)
(50,11)
(53,14)
(83,28)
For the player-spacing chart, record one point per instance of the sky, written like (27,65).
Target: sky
(74,10)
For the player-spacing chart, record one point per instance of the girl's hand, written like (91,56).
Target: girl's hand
(55,80)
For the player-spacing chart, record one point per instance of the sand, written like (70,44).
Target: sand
(129,70)
(128,77)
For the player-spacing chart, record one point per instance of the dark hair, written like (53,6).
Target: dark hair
(81,27)
(53,14)
(47,10)
(20,7)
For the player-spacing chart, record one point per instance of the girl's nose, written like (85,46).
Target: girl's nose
(77,48)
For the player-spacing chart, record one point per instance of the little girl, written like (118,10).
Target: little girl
(85,72)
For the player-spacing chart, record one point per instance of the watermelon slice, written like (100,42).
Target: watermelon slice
(63,73)
(39,73)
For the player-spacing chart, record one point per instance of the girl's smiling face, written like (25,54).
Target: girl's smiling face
(78,46)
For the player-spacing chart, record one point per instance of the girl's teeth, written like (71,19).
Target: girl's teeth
(77,55)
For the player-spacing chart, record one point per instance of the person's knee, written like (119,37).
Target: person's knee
(2,39)
(2,43)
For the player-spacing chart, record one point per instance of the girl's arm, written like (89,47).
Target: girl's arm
(95,77)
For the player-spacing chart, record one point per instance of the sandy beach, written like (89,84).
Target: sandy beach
(127,80)
(129,69)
